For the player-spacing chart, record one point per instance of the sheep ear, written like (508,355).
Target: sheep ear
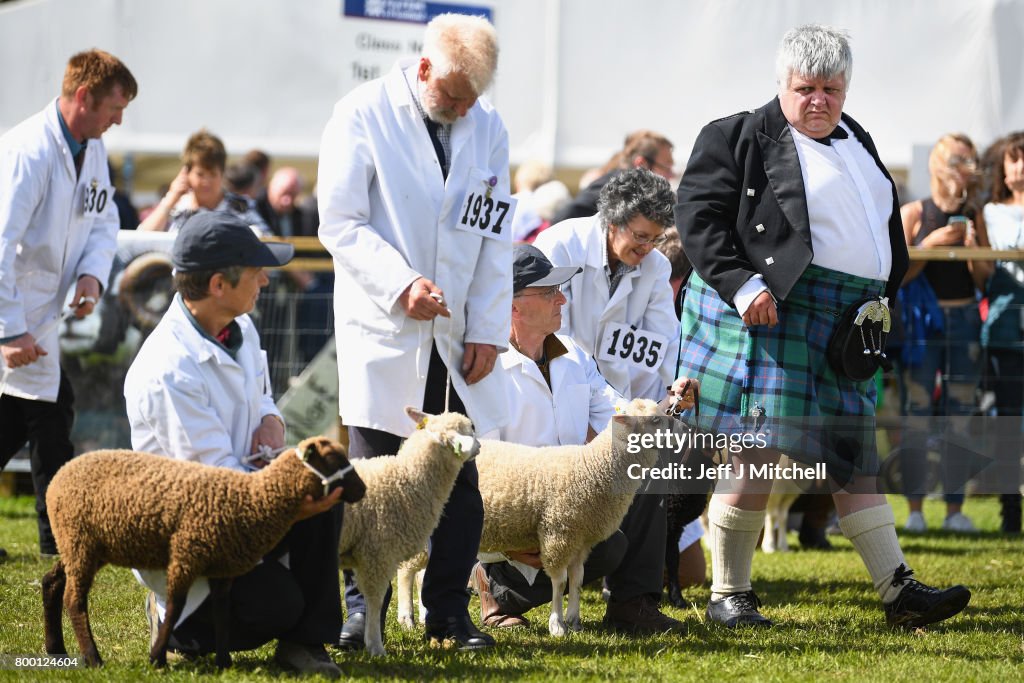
(417,416)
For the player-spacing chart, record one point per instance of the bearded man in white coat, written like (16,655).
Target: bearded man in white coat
(416,211)
(620,309)
(58,232)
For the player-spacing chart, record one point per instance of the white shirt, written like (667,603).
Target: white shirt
(579,397)
(849,203)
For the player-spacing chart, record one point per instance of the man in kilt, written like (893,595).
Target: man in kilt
(789,217)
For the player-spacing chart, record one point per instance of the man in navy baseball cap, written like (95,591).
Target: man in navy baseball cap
(213,239)
(531,268)
(199,390)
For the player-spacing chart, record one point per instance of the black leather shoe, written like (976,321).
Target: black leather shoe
(352,633)
(459,633)
(919,605)
(640,616)
(738,609)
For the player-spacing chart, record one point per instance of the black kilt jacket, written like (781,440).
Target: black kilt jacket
(742,209)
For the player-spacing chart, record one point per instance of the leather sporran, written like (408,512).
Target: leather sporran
(857,347)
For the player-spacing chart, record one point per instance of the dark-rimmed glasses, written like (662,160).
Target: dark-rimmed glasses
(644,239)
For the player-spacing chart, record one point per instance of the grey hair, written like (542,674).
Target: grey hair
(636,192)
(814,51)
(464,44)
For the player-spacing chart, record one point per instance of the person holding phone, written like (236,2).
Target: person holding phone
(948,217)
(199,186)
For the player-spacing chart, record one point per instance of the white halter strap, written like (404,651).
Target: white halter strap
(325,480)
(264,452)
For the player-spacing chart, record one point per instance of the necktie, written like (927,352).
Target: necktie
(79,160)
(837,133)
(432,127)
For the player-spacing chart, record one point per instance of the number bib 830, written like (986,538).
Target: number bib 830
(95,198)
(626,344)
(485,211)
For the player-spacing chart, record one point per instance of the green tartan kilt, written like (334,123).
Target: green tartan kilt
(782,373)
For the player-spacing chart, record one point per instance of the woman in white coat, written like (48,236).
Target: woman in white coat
(620,309)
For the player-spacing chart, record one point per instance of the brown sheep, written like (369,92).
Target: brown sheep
(140,510)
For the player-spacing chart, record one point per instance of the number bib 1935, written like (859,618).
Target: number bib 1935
(95,198)
(626,344)
(486,211)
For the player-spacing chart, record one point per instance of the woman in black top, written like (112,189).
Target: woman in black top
(949,217)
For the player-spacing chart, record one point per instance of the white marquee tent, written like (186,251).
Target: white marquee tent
(574,75)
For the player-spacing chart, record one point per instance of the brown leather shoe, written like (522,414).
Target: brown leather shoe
(490,613)
(640,616)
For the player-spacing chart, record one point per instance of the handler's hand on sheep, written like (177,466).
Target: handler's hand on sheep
(423,300)
(531,558)
(270,433)
(310,508)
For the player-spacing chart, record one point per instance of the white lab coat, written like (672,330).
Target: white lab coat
(643,298)
(46,239)
(387,216)
(188,399)
(579,397)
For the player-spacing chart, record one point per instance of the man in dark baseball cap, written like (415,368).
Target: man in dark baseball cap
(214,239)
(558,397)
(531,268)
(199,390)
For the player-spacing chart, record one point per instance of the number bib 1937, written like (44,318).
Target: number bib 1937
(486,211)
(95,198)
(626,344)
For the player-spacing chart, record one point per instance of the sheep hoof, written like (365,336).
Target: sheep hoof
(407,622)
(575,625)
(376,650)
(556,626)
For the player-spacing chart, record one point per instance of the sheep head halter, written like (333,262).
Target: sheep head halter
(324,479)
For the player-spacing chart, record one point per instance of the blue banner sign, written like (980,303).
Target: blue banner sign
(411,11)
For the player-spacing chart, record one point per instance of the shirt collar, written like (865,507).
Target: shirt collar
(73,145)
(234,336)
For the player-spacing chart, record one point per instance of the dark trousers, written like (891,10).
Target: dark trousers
(46,427)
(455,541)
(632,560)
(298,603)
(515,595)
(1006,378)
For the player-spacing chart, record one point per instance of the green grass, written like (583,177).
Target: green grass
(829,624)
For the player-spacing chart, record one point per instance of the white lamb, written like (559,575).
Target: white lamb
(565,499)
(405,494)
